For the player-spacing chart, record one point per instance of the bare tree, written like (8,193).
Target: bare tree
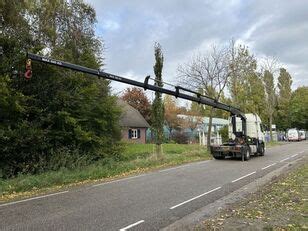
(207,73)
(270,63)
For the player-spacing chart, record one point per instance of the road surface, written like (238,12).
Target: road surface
(144,202)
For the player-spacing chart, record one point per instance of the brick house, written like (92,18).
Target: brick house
(133,125)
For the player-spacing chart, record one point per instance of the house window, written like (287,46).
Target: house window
(134,133)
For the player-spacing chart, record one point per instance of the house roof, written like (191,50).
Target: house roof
(205,120)
(216,121)
(131,117)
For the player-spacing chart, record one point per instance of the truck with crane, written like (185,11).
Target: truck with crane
(246,136)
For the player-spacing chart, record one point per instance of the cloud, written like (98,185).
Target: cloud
(110,25)
(130,28)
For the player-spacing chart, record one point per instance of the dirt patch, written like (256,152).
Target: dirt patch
(280,205)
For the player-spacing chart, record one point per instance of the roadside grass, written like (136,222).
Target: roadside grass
(138,158)
(282,205)
(275,143)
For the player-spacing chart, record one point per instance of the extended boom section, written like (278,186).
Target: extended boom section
(244,140)
(177,92)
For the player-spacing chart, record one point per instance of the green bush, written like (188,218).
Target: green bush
(180,138)
(224,133)
(58,118)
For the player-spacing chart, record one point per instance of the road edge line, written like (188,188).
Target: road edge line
(132,225)
(194,198)
(249,174)
(190,221)
(33,198)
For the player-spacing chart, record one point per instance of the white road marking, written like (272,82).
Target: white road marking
(301,152)
(202,162)
(163,170)
(203,194)
(185,165)
(295,155)
(119,180)
(249,174)
(132,225)
(33,198)
(169,169)
(132,177)
(284,159)
(268,166)
(108,182)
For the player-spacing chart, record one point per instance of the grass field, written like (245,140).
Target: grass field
(138,158)
(281,205)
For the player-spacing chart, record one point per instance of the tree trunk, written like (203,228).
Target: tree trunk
(270,123)
(208,143)
(158,151)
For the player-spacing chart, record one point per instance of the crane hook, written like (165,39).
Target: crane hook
(28,73)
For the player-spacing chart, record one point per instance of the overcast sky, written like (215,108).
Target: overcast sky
(131,27)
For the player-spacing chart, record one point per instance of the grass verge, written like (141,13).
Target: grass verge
(138,158)
(282,205)
(274,143)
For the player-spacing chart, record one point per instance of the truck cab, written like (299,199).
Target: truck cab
(246,138)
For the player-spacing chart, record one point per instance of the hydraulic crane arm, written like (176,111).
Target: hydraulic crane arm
(178,92)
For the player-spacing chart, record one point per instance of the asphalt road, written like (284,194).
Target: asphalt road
(144,202)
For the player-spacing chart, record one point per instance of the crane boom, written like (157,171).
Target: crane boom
(178,92)
(242,145)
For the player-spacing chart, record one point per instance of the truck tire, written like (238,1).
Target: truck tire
(219,157)
(247,154)
(261,150)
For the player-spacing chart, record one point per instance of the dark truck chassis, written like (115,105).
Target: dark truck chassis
(238,150)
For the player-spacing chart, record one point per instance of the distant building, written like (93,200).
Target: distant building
(199,134)
(133,125)
(217,124)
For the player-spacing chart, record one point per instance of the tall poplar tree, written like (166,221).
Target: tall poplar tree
(299,108)
(243,77)
(246,84)
(284,97)
(270,102)
(158,106)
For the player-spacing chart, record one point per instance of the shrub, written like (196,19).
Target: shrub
(224,133)
(181,137)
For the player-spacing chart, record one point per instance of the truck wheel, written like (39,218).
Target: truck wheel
(247,154)
(219,157)
(262,150)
